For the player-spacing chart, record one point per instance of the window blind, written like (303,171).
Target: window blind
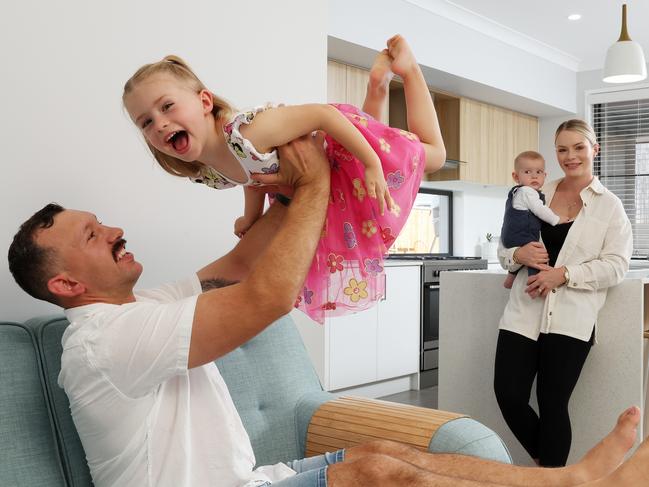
(622,129)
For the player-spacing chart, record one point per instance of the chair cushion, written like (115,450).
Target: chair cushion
(28,452)
(267,377)
(48,331)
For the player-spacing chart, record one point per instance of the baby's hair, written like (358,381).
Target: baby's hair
(180,70)
(528,154)
(579,126)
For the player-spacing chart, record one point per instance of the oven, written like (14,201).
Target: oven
(432,267)
(430,326)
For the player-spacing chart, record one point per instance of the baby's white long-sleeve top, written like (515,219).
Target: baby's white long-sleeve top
(527,198)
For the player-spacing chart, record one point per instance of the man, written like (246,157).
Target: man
(150,406)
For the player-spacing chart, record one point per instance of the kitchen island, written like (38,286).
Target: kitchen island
(613,378)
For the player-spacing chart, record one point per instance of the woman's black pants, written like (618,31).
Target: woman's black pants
(556,361)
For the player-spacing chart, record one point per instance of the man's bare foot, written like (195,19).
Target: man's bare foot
(609,453)
(403,60)
(509,281)
(632,473)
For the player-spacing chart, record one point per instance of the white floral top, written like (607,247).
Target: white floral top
(251,160)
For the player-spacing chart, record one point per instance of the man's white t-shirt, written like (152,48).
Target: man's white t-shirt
(143,417)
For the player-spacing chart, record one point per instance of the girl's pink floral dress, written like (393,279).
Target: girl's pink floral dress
(347,273)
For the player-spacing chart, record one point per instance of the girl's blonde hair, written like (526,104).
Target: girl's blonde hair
(579,126)
(179,69)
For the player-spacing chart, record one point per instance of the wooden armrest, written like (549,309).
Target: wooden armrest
(349,421)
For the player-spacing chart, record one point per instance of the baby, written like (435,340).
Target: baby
(525,207)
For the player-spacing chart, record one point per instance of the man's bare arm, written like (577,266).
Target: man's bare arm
(228,317)
(236,264)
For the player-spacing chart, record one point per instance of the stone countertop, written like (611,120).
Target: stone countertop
(633,273)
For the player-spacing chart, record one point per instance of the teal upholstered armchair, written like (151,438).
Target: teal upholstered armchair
(272,383)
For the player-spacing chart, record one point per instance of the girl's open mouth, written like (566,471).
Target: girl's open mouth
(179,140)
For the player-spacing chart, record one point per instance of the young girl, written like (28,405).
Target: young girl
(195,134)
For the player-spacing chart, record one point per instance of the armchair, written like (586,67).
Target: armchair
(273,385)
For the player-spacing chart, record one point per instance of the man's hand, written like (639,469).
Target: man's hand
(533,254)
(302,161)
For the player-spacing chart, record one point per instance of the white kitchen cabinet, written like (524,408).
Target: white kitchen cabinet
(352,349)
(397,341)
(377,344)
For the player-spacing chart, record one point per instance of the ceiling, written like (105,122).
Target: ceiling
(546,21)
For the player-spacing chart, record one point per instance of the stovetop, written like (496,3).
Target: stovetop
(433,264)
(429,257)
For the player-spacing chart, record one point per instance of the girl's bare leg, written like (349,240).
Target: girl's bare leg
(378,85)
(421,114)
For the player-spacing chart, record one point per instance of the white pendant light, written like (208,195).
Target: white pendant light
(624,60)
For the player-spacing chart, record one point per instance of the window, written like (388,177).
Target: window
(621,122)
(428,229)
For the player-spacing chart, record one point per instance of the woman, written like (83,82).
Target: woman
(549,323)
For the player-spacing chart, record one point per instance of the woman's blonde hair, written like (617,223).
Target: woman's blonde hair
(579,126)
(179,69)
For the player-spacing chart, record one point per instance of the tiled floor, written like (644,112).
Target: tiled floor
(426,398)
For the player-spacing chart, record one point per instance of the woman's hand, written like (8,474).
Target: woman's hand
(533,254)
(545,281)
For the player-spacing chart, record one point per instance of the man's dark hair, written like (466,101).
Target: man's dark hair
(30,264)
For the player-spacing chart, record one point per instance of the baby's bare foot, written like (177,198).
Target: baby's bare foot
(403,60)
(609,453)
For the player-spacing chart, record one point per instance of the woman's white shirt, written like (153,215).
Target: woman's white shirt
(596,253)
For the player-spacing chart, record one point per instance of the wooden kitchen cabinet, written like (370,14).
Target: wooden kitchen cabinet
(348,84)
(484,139)
(380,343)
(490,138)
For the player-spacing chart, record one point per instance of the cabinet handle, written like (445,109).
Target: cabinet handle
(385,287)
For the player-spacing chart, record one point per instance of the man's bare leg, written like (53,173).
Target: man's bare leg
(383,470)
(599,462)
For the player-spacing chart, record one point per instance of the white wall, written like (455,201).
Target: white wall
(65,137)
(477,210)
(461,60)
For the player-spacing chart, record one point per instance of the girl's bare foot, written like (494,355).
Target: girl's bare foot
(378,84)
(403,60)
(381,71)
(609,453)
